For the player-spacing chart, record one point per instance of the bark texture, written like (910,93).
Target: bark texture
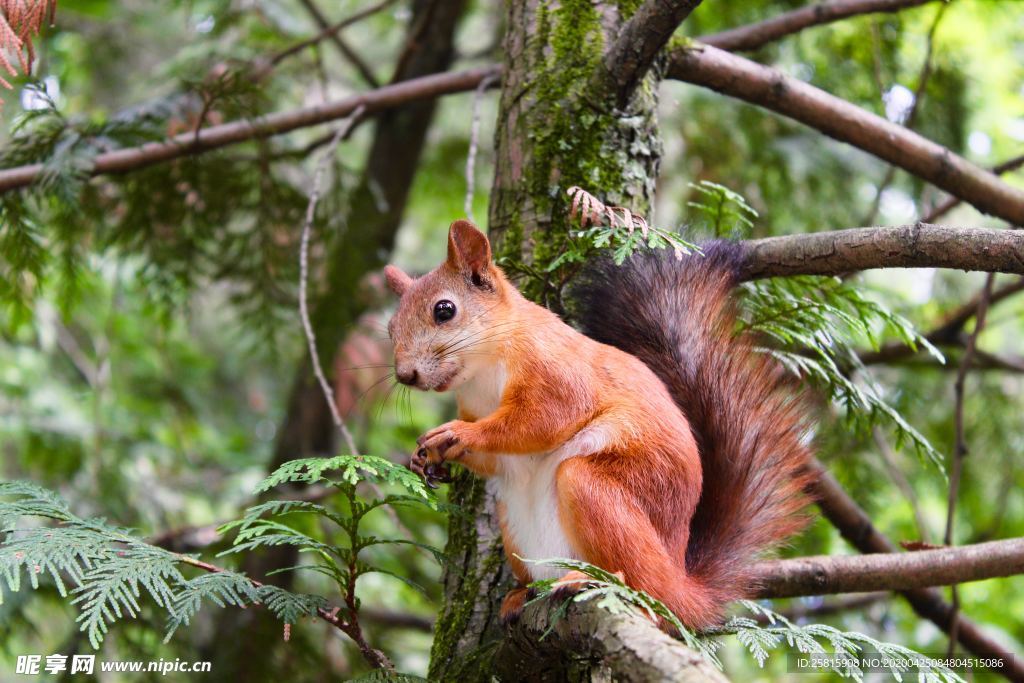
(917,245)
(590,644)
(890,571)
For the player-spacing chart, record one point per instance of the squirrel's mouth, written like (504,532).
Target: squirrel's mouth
(446,383)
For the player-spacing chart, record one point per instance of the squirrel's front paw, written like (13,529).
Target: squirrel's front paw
(435,448)
(444,443)
(430,472)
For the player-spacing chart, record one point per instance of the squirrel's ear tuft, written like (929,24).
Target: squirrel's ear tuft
(397,280)
(469,252)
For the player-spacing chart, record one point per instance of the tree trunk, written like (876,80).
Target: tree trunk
(553,132)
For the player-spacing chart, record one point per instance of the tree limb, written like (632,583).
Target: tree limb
(855,526)
(770,88)
(626,647)
(897,571)
(754,36)
(628,59)
(907,246)
(213,137)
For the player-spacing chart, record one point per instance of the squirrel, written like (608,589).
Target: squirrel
(656,444)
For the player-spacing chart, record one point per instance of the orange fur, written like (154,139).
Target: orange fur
(593,455)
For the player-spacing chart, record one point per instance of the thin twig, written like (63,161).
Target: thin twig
(960,447)
(474,142)
(307,229)
(908,123)
(375,657)
(901,481)
(330,31)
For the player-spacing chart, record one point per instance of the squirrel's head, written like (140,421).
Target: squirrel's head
(445,328)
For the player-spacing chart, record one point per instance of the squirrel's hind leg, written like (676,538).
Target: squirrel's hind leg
(608,528)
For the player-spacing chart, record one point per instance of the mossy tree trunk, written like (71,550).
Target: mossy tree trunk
(555,129)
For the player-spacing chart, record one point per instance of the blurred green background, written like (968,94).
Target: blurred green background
(146,366)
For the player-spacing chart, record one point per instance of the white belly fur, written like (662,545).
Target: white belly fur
(525,484)
(526,487)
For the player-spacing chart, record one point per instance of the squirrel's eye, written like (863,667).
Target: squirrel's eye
(444,311)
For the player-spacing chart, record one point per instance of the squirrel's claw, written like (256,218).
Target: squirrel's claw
(431,472)
(435,447)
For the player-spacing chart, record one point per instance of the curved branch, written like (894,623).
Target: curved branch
(625,646)
(213,137)
(753,36)
(907,246)
(641,39)
(743,79)
(890,571)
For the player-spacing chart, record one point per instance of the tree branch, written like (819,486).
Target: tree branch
(906,246)
(214,137)
(896,571)
(754,36)
(629,58)
(626,647)
(330,31)
(856,527)
(630,648)
(953,202)
(948,332)
(770,88)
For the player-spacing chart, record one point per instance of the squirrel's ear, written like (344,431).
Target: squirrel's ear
(397,280)
(469,252)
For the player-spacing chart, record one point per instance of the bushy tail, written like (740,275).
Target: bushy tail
(749,422)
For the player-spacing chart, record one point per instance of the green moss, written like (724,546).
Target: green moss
(569,134)
(576,141)
(446,661)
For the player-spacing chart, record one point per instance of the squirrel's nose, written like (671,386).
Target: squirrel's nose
(407,376)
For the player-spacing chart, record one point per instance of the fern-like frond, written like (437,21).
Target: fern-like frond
(815,324)
(351,468)
(110,571)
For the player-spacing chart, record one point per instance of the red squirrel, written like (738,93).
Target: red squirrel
(658,445)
